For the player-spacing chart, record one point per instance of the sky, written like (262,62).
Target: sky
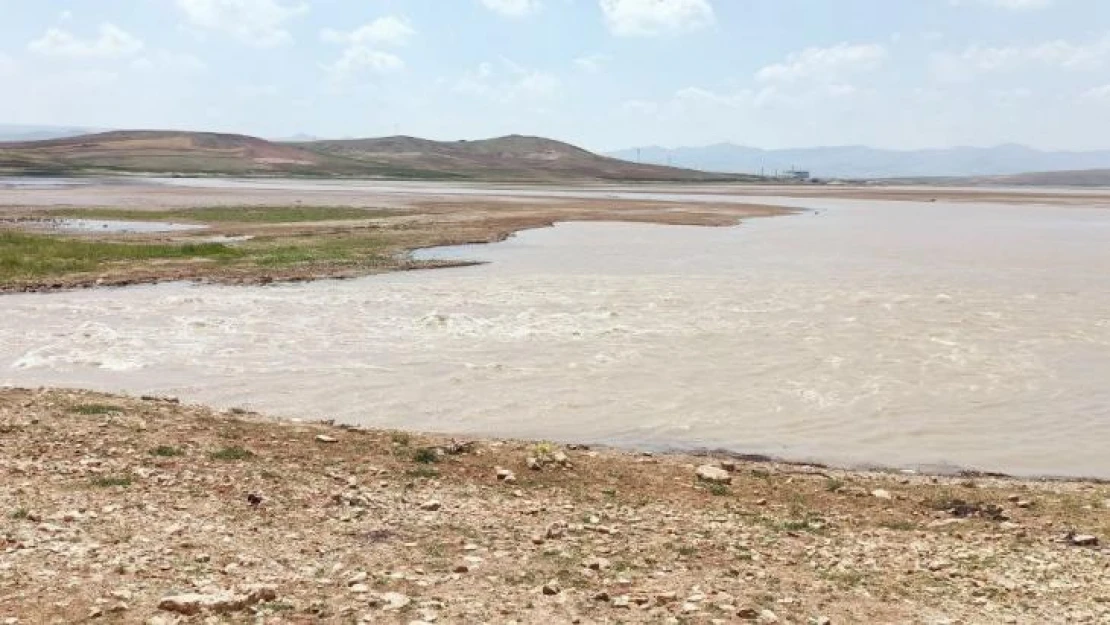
(604,74)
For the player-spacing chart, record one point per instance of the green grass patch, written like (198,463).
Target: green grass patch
(95,409)
(232,453)
(24,256)
(426,455)
(718,490)
(232,214)
(20,514)
(108,481)
(165,451)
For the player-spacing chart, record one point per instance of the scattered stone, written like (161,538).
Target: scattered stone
(880,493)
(324,438)
(393,601)
(505,475)
(533,463)
(552,588)
(430,505)
(748,614)
(598,564)
(822,620)
(602,597)
(714,475)
(767,616)
(1083,540)
(191,604)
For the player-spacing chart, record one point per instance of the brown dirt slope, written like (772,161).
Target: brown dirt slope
(511,157)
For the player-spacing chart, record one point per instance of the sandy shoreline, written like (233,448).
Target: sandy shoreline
(131,510)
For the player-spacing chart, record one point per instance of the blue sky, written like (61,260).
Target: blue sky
(604,74)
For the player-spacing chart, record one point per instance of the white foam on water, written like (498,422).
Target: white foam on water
(889,333)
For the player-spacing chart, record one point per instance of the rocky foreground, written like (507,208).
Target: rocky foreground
(148,511)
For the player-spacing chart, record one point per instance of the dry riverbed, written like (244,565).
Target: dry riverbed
(120,509)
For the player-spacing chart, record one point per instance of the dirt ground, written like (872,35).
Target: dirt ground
(129,510)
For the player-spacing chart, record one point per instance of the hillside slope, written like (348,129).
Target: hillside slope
(514,158)
(1078,178)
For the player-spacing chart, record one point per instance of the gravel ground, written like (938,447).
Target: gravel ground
(133,510)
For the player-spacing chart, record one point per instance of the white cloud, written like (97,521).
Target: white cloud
(1098,93)
(388,30)
(646,18)
(512,8)
(111,42)
(255,22)
(358,60)
(825,64)
(1059,54)
(592,63)
(509,83)
(65,16)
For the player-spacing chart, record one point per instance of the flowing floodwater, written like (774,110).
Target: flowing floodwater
(904,334)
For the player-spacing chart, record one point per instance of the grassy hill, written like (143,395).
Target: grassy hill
(513,158)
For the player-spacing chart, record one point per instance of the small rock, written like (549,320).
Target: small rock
(1083,540)
(360,589)
(715,475)
(395,601)
(431,505)
(748,614)
(597,564)
(533,463)
(767,616)
(561,459)
(190,604)
(761,502)
(690,607)
(622,602)
(728,465)
(506,475)
(462,568)
(601,596)
(1022,503)
(551,588)
(822,620)
(324,438)
(880,493)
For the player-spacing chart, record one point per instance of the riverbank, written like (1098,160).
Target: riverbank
(146,510)
(252,244)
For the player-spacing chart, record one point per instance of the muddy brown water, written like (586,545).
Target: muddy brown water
(900,334)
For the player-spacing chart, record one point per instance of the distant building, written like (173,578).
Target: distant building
(796,174)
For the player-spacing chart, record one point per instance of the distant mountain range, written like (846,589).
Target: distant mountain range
(512,158)
(865,162)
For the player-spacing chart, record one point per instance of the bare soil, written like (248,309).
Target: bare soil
(114,506)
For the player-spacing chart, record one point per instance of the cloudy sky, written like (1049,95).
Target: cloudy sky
(601,73)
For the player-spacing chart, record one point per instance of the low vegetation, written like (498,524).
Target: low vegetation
(24,255)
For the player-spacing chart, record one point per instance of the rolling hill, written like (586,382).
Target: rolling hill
(512,158)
